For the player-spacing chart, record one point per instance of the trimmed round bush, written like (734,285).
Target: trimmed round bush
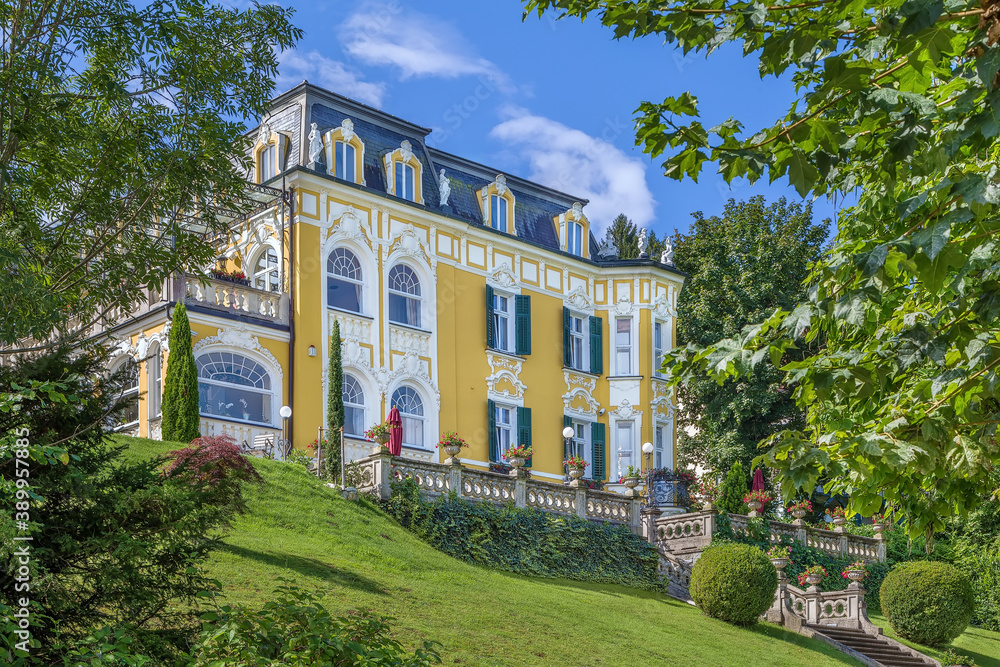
(927,602)
(734,583)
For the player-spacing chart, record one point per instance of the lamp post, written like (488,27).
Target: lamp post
(647,449)
(286,413)
(567,434)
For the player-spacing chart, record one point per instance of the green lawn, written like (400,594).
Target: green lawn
(295,527)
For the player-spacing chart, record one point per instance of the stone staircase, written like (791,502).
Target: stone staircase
(870,649)
(838,618)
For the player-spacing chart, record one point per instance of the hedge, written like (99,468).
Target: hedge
(734,583)
(927,602)
(526,540)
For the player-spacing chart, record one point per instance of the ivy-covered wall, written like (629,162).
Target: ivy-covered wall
(526,541)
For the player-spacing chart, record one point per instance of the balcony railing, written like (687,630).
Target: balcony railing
(235,298)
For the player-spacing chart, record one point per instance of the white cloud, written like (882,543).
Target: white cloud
(295,67)
(415,44)
(574,162)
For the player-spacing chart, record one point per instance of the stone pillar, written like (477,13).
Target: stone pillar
(844,545)
(383,468)
(650,515)
(520,487)
(635,516)
(881,551)
(455,478)
(802,535)
(776,613)
(711,521)
(855,601)
(813,605)
(581,501)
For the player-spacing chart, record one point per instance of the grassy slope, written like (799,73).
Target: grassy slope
(982,645)
(297,528)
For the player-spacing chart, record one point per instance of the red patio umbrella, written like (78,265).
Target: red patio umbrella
(395,434)
(758,480)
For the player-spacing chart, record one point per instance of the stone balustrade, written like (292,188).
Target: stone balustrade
(235,298)
(794,607)
(434,479)
(692,532)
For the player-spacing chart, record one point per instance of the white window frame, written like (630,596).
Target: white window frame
(269,150)
(659,347)
(154,383)
(583,363)
(270,391)
(358,283)
(574,238)
(422,418)
(129,392)
(345,168)
(620,447)
(355,406)
(267,271)
(498,213)
(503,322)
(400,173)
(418,296)
(662,446)
(626,348)
(580,444)
(508,427)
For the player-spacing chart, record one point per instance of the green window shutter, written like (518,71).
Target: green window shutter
(597,450)
(567,340)
(596,345)
(567,421)
(491,430)
(524,429)
(522,324)
(489,317)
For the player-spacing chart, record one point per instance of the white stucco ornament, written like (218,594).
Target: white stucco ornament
(315,146)
(444,189)
(406,150)
(501,183)
(264,133)
(667,256)
(347,129)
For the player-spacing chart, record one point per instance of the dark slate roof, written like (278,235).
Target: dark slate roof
(287,121)
(382,133)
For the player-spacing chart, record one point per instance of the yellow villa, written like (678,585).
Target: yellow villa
(471,299)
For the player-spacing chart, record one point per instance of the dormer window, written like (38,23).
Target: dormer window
(404,180)
(498,213)
(268,162)
(498,206)
(345,153)
(345,156)
(575,242)
(573,230)
(402,173)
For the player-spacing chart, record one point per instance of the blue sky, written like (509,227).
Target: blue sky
(548,100)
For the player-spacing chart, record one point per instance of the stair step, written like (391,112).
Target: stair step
(871,646)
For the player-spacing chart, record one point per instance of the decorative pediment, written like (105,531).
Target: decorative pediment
(625,411)
(578,299)
(408,243)
(346,134)
(239,336)
(504,382)
(579,399)
(623,307)
(662,307)
(502,277)
(662,403)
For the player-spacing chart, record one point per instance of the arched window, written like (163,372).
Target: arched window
(345,161)
(128,375)
(343,280)
(411,409)
(354,406)
(232,386)
(404,296)
(266,272)
(154,386)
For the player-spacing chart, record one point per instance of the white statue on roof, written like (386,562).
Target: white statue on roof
(315,146)
(444,188)
(643,242)
(667,256)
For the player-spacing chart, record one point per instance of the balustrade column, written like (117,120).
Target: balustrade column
(581,501)
(651,513)
(844,546)
(813,605)
(383,473)
(455,478)
(635,516)
(520,490)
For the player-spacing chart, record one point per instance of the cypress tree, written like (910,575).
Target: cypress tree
(734,487)
(181,418)
(334,403)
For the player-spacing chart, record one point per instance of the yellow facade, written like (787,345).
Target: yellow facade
(431,348)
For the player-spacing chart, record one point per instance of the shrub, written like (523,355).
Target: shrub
(927,602)
(293,629)
(217,464)
(734,487)
(181,413)
(525,540)
(734,583)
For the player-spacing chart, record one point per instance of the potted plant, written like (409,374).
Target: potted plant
(631,477)
(708,491)
(839,517)
(517,457)
(380,434)
(880,522)
(576,466)
(756,501)
(799,510)
(812,575)
(856,571)
(781,557)
(452,444)
(234,276)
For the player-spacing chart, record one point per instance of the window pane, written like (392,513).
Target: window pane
(343,294)
(354,421)
(408,170)
(404,310)
(232,402)
(623,362)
